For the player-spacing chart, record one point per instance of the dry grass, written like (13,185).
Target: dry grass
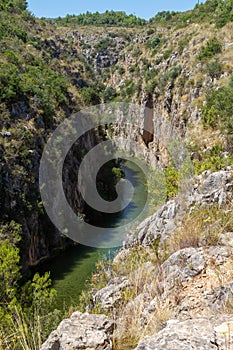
(138,265)
(133,259)
(133,324)
(202,227)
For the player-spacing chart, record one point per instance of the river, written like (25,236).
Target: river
(72,268)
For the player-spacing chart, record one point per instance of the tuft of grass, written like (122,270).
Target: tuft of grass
(202,226)
(22,334)
(132,323)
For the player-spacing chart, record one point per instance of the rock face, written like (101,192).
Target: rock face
(110,296)
(189,282)
(206,189)
(201,333)
(82,331)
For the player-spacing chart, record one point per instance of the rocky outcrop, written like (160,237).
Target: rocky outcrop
(110,296)
(80,332)
(199,333)
(206,189)
(189,287)
(189,282)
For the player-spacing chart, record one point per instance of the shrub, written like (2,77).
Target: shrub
(23,307)
(150,88)
(12,57)
(217,113)
(167,54)
(150,31)
(129,89)
(214,69)
(212,47)
(182,44)
(9,83)
(155,42)
(172,181)
(105,44)
(213,159)
(109,94)
(136,53)
(121,70)
(90,96)
(174,72)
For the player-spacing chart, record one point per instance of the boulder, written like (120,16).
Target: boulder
(80,332)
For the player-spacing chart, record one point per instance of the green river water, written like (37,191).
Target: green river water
(71,269)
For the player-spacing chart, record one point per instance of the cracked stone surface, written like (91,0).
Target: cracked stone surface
(82,331)
(215,333)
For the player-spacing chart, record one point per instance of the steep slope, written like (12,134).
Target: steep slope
(173,278)
(48,72)
(179,65)
(171,286)
(41,74)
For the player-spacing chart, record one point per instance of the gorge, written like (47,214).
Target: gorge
(173,275)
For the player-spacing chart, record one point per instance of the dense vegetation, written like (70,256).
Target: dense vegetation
(217,112)
(33,94)
(13,5)
(108,18)
(25,307)
(219,12)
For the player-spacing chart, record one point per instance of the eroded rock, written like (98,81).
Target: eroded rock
(82,331)
(198,334)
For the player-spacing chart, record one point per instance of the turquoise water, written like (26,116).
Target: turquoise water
(71,269)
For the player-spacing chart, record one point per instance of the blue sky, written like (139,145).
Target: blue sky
(145,9)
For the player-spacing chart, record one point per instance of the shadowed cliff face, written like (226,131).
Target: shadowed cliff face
(148,132)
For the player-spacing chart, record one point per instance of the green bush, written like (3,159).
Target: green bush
(136,53)
(150,88)
(212,47)
(214,160)
(13,5)
(218,108)
(172,181)
(155,42)
(21,304)
(105,44)
(182,44)
(128,89)
(174,72)
(214,69)
(121,70)
(150,31)
(167,54)
(90,96)
(109,94)
(9,83)
(217,113)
